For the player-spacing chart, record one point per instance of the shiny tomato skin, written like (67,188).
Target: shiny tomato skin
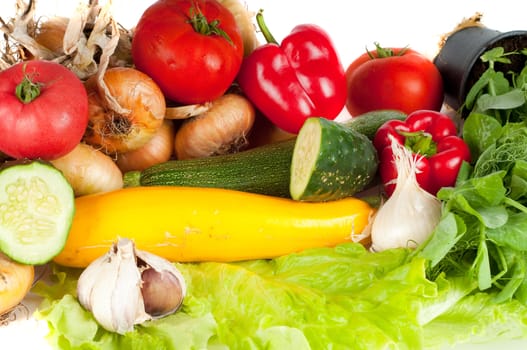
(189,67)
(50,125)
(406,81)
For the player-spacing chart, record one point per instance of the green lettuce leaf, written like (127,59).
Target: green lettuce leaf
(343,296)
(477,319)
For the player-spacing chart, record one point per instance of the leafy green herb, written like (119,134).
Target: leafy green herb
(505,151)
(496,95)
(482,235)
(483,231)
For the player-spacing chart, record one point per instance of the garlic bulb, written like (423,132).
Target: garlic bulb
(127,286)
(410,215)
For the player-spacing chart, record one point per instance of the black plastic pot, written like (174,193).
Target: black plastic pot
(459,58)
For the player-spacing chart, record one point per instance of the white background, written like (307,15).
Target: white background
(353,27)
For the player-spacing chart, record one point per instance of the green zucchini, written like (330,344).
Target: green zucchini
(265,169)
(330,161)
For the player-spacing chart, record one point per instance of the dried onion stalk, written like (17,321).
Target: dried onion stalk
(80,42)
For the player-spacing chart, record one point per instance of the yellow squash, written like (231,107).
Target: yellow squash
(15,282)
(188,224)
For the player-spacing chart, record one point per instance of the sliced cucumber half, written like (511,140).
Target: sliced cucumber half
(37,205)
(305,157)
(330,161)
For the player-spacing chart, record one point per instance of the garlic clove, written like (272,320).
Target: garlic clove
(164,286)
(127,307)
(127,286)
(162,292)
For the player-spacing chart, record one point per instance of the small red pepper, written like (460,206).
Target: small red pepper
(301,78)
(432,137)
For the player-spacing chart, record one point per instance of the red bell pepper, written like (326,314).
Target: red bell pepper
(432,138)
(301,78)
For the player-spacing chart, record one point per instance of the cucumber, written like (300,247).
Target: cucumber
(264,169)
(368,123)
(330,161)
(37,205)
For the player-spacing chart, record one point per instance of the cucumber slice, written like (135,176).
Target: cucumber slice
(330,161)
(37,205)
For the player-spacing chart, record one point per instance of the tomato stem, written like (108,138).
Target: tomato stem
(383,52)
(264,29)
(27,90)
(202,26)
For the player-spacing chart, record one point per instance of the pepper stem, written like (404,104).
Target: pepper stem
(419,142)
(27,90)
(264,29)
(202,26)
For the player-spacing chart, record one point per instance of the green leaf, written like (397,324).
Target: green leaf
(479,132)
(468,318)
(445,236)
(485,191)
(499,85)
(514,274)
(509,100)
(482,266)
(518,180)
(505,152)
(478,88)
(495,54)
(521,79)
(521,292)
(513,234)
(494,217)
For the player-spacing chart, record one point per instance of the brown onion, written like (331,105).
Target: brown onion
(89,170)
(159,149)
(126,110)
(222,129)
(50,34)
(265,132)
(16,280)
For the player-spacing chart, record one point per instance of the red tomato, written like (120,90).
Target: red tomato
(404,80)
(51,122)
(190,66)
